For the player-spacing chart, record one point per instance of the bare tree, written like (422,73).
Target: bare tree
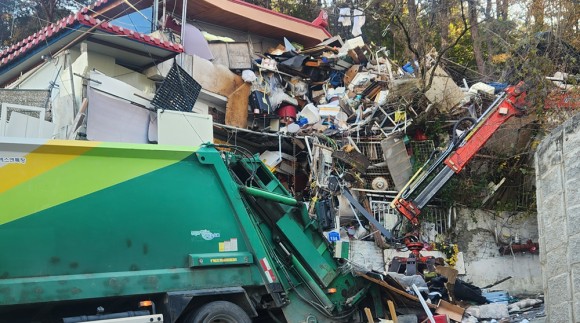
(537,11)
(477,50)
(417,39)
(443,13)
(502,9)
(29,16)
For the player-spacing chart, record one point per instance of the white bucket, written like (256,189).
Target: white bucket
(310,112)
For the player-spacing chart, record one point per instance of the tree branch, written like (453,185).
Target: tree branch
(466,28)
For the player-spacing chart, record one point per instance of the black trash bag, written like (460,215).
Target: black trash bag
(437,289)
(468,292)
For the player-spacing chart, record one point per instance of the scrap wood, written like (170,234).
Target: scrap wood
(392,310)
(369,315)
(443,91)
(395,290)
(237,107)
(214,77)
(454,312)
(318,49)
(497,282)
(447,272)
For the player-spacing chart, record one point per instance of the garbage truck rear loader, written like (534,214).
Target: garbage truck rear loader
(93,231)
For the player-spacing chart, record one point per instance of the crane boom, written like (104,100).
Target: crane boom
(460,151)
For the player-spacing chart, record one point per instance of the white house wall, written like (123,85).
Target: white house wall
(62,94)
(106,64)
(40,78)
(134,79)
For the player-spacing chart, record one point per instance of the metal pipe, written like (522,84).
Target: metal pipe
(256,132)
(183,22)
(68,59)
(269,196)
(155,15)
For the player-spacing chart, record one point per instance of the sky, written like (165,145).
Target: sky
(136,21)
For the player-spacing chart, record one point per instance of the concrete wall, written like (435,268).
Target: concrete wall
(480,234)
(558,198)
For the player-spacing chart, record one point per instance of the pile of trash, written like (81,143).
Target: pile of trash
(344,87)
(440,296)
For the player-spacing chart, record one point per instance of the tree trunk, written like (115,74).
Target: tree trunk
(538,14)
(488,10)
(444,22)
(413,27)
(504,10)
(477,51)
(489,42)
(501,7)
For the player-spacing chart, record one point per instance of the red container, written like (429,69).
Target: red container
(440,318)
(287,113)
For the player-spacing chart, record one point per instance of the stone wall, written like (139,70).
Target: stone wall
(33,98)
(558,197)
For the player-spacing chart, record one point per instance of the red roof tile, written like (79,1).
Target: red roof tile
(44,35)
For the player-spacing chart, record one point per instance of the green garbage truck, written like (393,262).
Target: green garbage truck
(111,232)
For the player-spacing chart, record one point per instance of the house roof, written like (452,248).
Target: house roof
(79,27)
(83,25)
(240,15)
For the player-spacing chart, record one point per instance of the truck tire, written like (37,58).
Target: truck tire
(219,311)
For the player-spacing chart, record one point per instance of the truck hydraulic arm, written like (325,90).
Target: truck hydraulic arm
(458,153)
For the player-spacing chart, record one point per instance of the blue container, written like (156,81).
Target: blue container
(497,297)
(498,87)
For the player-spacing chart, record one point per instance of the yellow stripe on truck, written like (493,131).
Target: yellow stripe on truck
(44,158)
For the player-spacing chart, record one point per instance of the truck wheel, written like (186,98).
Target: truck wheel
(219,311)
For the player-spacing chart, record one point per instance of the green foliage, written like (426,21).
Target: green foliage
(468,191)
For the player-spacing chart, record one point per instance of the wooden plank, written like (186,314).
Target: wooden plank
(443,90)
(215,78)
(220,53)
(369,315)
(454,312)
(393,289)
(239,56)
(447,272)
(237,107)
(313,63)
(392,310)
(233,55)
(78,121)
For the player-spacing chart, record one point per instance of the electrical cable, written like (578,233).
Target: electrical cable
(455,137)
